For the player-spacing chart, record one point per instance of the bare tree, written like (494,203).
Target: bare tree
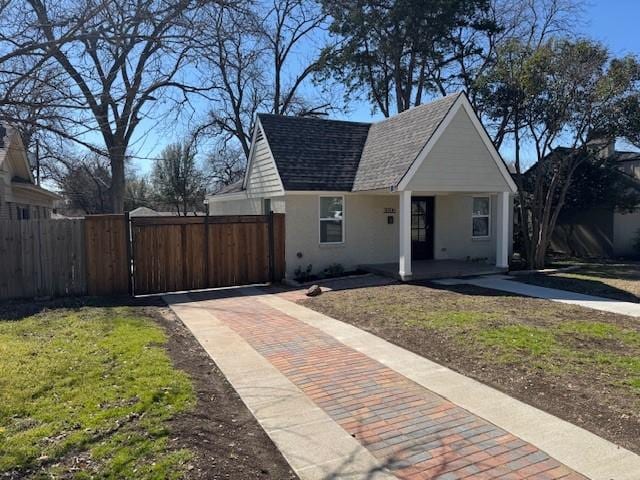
(255,58)
(177,180)
(236,60)
(225,166)
(84,182)
(286,25)
(119,58)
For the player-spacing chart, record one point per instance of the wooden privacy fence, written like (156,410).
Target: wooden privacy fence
(42,258)
(187,253)
(107,260)
(110,255)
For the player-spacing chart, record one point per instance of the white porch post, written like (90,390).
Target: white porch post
(405,234)
(503,229)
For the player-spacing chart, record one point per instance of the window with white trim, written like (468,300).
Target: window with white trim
(331,219)
(480,217)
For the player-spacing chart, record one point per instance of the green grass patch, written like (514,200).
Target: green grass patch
(93,381)
(519,338)
(600,331)
(552,347)
(448,319)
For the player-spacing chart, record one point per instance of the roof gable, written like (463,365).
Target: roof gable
(262,177)
(458,160)
(315,154)
(394,144)
(13,157)
(332,155)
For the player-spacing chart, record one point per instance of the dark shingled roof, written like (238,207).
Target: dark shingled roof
(320,154)
(393,144)
(315,154)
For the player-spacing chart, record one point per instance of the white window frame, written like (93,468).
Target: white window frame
(487,216)
(320,219)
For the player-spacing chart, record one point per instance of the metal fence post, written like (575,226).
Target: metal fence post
(206,249)
(129,240)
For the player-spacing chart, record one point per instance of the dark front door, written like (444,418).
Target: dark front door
(422,228)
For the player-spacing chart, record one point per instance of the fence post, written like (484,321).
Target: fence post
(206,248)
(129,240)
(272,273)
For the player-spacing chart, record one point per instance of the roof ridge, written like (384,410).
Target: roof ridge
(277,115)
(422,106)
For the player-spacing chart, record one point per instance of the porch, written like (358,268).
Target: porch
(435,269)
(451,234)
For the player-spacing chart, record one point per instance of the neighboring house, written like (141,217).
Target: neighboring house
(602,232)
(20,197)
(149,212)
(425,184)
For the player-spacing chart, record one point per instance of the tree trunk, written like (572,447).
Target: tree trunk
(116,157)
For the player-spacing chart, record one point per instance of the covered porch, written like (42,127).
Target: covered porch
(451,235)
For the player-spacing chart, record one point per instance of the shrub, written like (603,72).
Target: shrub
(302,275)
(334,270)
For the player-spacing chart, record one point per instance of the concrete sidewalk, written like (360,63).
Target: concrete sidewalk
(506,284)
(342,403)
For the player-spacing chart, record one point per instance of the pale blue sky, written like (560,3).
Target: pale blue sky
(613,22)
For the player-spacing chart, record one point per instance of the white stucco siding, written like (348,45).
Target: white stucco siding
(459,161)
(368,237)
(247,206)
(453,237)
(626,228)
(263,179)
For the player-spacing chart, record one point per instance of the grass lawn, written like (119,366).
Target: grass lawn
(618,280)
(119,392)
(579,364)
(89,391)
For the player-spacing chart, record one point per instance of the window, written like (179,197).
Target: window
(266,205)
(480,216)
(22,213)
(331,219)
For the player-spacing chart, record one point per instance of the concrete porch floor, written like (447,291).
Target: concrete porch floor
(435,269)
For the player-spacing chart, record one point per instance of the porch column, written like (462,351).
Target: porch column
(405,234)
(503,229)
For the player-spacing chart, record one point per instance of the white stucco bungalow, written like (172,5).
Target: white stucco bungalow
(420,194)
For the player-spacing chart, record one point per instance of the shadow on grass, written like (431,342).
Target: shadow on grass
(19,309)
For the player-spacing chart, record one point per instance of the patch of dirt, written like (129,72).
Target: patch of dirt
(227,440)
(591,399)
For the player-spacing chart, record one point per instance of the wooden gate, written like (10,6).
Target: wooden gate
(187,253)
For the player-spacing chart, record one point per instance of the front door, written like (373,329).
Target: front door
(422,228)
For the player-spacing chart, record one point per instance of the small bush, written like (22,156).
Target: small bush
(334,270)
(302,275)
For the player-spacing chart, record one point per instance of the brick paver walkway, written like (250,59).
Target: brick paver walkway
(414,432)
